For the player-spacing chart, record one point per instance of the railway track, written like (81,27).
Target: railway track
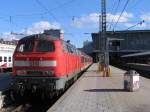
(142,69)
(22,108)
(31,105)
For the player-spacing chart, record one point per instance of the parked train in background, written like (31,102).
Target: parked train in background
(6,53)
(46,63)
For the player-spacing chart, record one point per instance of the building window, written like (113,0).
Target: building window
(116,43)
(1,59)
(9,59)
(5,59)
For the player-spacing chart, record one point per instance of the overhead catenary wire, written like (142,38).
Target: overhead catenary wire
(121,14)
(63,4)
(50,11)
(113,4)
(115,11)
(60,5)
(47,10)
(139,23)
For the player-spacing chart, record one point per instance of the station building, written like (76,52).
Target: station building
(120,43)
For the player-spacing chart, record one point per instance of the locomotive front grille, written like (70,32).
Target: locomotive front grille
(35,72)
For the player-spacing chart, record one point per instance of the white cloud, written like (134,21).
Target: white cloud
(143,25)
(39,27)
(93,19)
(35,28)
(86,20)
(145,17)
(124,18)
(9,36)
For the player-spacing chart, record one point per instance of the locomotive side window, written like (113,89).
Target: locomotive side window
(25,47)
(72,50)
(65,47)
(0,58)
(69,49)
(82,59)
(75,51)
(45,46)
(5,59)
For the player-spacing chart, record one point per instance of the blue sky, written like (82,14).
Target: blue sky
(75,17)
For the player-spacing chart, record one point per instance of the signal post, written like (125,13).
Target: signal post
(103,65)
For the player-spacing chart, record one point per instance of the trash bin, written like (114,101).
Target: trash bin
(131,80)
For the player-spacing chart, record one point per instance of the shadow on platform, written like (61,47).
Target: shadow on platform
(105,90)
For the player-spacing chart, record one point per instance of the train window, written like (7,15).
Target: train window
(79,53)
(65,48)
(72,50)
(0,58)
(82,59)
(69,49)
(25,46)
(9,59)
(45,46)
(5,59)
(76,51)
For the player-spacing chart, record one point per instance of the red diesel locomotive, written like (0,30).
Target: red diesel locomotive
(47,64)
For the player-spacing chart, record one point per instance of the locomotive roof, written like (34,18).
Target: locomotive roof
(43,37)
(39,37)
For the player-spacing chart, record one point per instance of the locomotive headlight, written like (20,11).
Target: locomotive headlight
(48,72)
(21,72)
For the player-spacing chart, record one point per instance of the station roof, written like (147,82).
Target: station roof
(136,54)
(127,31)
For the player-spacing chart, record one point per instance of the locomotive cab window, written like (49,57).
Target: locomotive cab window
(45,46)
(25,46)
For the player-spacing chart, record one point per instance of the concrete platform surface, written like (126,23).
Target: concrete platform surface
(93,93)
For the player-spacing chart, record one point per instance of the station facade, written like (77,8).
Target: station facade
(120,43)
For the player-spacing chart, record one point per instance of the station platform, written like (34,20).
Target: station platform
(94,93)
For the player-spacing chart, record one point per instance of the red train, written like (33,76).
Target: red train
(46,64)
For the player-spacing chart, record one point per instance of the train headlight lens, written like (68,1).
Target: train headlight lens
(21,72)
(48,72)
